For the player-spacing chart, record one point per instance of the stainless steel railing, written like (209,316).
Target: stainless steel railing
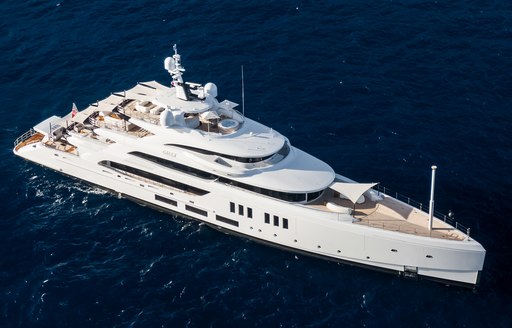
(24,137)
(447,218)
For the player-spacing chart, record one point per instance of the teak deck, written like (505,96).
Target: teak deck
(391,214)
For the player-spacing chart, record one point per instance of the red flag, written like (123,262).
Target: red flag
(74,110)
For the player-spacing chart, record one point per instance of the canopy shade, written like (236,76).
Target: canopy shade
(351,190)
(209,115)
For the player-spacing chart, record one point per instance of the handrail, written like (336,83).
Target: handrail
(447,218)
(24,137)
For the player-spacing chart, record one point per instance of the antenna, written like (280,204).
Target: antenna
(173,66)
(243,93)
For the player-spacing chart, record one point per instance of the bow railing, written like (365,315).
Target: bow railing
(447,218)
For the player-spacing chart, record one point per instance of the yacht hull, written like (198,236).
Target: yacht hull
(308,231)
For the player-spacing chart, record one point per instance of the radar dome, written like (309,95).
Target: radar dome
(169,64)
(210,89)
(166,118)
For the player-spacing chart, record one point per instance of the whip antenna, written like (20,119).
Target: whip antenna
(243,93)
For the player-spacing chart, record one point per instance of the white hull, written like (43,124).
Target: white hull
(310,231)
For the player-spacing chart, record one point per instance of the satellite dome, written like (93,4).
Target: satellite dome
(166,118)
(210,89)
(169,64)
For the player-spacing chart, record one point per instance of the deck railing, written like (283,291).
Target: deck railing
(447,218)
(24,137)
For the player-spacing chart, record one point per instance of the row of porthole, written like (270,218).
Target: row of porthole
(259,230)
(319,246)
(339,251)
(395,250)
(295,240)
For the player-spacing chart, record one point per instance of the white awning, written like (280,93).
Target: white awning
(352,191)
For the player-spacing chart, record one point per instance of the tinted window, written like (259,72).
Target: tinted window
(196,210)
(226,220)
(176,166)
(166,200)
(153,177)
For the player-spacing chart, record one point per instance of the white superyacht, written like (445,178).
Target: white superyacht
(179,149)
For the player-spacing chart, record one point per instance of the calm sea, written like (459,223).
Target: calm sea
(381,90)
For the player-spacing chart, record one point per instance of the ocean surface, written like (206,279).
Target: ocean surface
(380,90)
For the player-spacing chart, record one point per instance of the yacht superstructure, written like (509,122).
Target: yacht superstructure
(181,150)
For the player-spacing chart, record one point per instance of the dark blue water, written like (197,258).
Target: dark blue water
(381,90)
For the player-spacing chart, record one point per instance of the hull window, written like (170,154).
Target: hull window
(176,166)
(226,220)
(280,155)
(153,177)
(286,196)
(289,197)
(196,210)
(166,200)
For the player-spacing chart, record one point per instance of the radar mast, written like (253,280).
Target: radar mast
(173,66)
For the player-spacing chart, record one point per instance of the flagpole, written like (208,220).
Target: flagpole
(431,207)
